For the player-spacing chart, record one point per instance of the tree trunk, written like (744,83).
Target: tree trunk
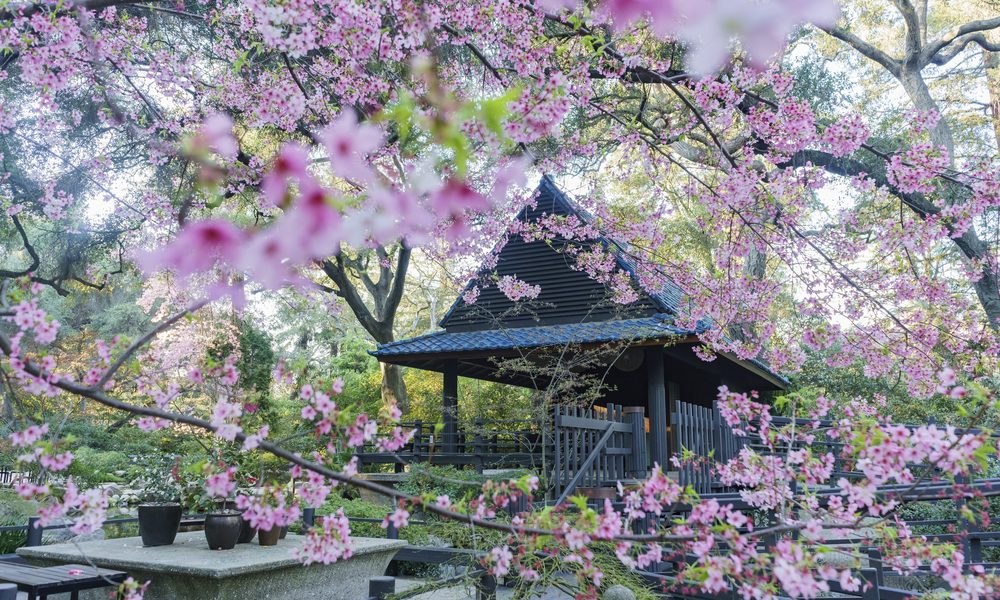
(991,62)
(754,268)
(8,409)
(393,386)
(988,286)
(920,95)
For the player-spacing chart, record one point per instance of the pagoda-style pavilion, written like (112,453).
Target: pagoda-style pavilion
(654,364)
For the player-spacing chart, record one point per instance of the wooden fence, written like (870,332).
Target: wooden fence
(700,432)
(596,449)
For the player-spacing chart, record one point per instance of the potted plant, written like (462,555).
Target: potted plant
(222,528)
(222,524)
(270,509)
(160,511)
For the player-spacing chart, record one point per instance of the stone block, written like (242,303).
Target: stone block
(188,569)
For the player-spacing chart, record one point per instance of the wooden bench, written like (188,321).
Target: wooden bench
(39,582)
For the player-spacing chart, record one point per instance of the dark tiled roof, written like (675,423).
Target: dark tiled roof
(654,327)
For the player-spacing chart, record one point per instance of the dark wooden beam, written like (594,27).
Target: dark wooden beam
(673,397)
(449,406)
(656,402)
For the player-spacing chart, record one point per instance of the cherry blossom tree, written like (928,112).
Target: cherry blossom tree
(265,146)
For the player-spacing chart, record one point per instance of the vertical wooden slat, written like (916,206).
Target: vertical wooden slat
(557,451)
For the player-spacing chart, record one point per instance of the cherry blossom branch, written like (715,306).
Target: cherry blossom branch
(27,9)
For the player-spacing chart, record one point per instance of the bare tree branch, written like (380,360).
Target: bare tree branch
(28,247)
(954,49)
(961,37)
(913,28)
(866,49)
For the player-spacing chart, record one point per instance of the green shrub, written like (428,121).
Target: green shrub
(414,534)
(12,540)
(15,507)
(448,480)
(92,467)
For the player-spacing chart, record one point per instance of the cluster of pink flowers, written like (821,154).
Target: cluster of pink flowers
(220,483)
(311,225)
(516,289)
(915,169)
(845,135)
(268,507)
(398,518)
(743,413)
(315,489)
(29,316)
(38,451)
(88,508)
(760,28)
(55,202)
(328,543)
(225,419)
(788,129)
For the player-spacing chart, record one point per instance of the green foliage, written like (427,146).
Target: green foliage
(256,362)
(448,480)
(441,480)
(100,436)
(615,573)
(14,510)
(154,480)
(414,534)
(12,540)
(92,467)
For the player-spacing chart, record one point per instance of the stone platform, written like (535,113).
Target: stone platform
(188,569)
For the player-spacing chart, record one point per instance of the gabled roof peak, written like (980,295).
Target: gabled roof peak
(574,295)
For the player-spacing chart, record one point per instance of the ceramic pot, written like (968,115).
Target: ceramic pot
(246,532)
(222,529)
(269,538)
(284,532)
(158,523)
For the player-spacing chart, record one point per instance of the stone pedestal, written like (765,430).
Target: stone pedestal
(188,569)
(386,479)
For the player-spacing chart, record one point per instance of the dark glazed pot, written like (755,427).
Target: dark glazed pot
(222,529)
(246,532)
(284,532)
(269,538)
(158,523)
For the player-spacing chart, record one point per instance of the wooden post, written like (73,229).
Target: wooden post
(656,400)
(381,587)
(480,451)
(962,525)
(449,407)
(869,579)
(418,434)
(391,533)
(486,587)
(637,462)
(8,591)
(875,562)
(34,532)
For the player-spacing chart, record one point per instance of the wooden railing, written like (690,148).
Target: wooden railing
(479,443)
